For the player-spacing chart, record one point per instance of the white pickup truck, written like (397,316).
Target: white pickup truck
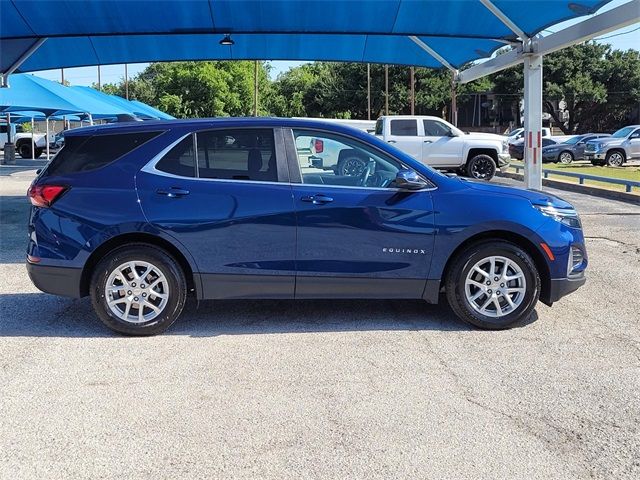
(439,144)
(22,141)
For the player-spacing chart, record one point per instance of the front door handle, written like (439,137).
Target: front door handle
(173,192)
(428,141)
(317,199)
(391,141)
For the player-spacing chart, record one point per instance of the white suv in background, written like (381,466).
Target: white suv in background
(439,144)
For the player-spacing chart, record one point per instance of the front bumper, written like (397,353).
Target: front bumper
(594,156)
(56,280)
(503,159)
(561,287)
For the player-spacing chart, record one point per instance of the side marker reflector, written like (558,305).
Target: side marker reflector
(548,251)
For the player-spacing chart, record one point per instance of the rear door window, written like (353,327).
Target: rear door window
(84,153)
(237,154)
(404,128)
(180,160)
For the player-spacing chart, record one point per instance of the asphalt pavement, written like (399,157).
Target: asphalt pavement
(325,389)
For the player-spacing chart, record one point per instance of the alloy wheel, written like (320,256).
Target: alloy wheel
(566,158)
(495,286)
(481,169)
(137,292)
(353,167)
(615,159)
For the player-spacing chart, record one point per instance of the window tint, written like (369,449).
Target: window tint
(81,153)
(180,160)
(243,154)
(547,141)
(404,127)
(337,160)
(3,129)
(433,128)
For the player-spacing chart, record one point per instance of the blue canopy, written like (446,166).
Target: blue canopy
(28,92)
(100,32)
(154,112)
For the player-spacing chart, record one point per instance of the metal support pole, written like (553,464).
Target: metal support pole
(255,89)
(46,138)
(33,141)
(9,128)
(99,81)
(90,119)
(454,100)
(62,76)
(533,121)
(368,91)
(126,81)
(412,89)
(386,89)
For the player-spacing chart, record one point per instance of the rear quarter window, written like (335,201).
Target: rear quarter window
(84,153)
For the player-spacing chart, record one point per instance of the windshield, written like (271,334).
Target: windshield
(623,132)
(573,140)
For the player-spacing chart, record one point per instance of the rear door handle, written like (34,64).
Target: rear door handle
(317,199)
(173,192)
(428,141)
(391,141)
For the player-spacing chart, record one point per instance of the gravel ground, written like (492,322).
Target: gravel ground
(315,389)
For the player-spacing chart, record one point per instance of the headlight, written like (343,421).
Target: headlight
(568,216)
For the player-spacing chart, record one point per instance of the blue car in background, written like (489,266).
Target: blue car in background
(140,216)
(569,150)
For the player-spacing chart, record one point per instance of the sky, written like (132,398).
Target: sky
(622,39)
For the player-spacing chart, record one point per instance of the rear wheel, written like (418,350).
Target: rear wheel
(615,158)
(24,149)
(566,158)
(493,285)
(481,167)
(138,290)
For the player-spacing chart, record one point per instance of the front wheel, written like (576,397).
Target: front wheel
(493,285)
(566,158)
(352,167)
(138,290)
(615,158)
(481,167)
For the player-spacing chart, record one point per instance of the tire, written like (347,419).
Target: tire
(24,149)
(565,157)
(38,153)
(614,158)
(351,166)
(173,285)
(460,291)
(481,167)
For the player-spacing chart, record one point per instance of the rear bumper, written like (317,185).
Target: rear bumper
(561,287)
(56,280)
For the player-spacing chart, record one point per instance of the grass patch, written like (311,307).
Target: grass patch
(630,172)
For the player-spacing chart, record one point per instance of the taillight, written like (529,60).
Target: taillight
(318,145)
(45,195)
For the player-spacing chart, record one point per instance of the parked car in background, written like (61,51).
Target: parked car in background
(569,150)
(518,134)
(138,216)
(23,141)
(435,142)
(516,150)
(615,150)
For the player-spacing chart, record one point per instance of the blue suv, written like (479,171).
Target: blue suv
(141,216)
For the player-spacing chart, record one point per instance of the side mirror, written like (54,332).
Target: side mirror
(409,180)
(452,134)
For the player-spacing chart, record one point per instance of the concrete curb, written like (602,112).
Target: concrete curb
(576,187)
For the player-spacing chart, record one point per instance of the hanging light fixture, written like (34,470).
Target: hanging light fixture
(227,40)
